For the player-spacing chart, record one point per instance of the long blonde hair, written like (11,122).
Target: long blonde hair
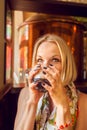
(69,72)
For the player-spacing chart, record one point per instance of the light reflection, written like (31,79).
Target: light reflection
(74,28)
(76,1)
(73,50)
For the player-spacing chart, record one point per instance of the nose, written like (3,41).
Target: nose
(45,64)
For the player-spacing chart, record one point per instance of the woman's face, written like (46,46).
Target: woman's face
(48,53)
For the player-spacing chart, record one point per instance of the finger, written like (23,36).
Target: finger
(55,70)
(33,87)
(52,70)
(47,87)
(53,78)
(33,72)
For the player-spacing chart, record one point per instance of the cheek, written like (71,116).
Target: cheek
(59,67)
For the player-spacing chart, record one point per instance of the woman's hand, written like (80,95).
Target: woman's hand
(57,89)
(33,93)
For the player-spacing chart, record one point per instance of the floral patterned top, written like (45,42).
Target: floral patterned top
(46,120)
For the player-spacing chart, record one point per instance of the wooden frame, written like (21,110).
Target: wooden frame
(8,45)
(57,7)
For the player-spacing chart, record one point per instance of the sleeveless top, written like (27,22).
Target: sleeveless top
(46,120)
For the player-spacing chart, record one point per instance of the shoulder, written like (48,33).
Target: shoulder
(82,113)
(83,101)
(82,96)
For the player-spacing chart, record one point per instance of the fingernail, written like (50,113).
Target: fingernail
(50,64)
(44,72)
(43,84)
(44,67)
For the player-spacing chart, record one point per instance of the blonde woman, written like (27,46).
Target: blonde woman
(51,101)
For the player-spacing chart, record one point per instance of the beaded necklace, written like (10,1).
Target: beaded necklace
(46,120)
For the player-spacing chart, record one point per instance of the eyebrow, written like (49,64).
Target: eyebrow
(56,55)
(50,57)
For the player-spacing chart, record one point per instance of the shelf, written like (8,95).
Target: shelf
(49,7)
